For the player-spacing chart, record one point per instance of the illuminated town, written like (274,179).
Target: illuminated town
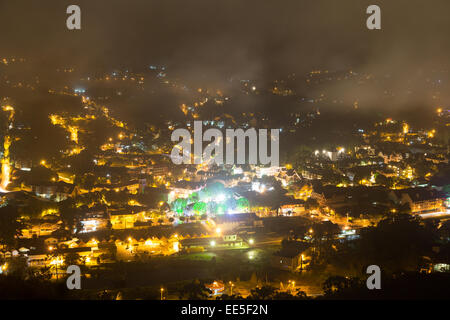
(87,179)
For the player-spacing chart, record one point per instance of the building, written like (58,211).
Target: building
(96,218)
(229,222)
(125,218)
(230,241)
(160,170)
(57,191)
(293,256)
(293,208)
(420,200)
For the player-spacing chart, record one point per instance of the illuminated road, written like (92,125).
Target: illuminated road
(439,214)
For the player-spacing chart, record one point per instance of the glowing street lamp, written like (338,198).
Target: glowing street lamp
(162,290)
(231,288)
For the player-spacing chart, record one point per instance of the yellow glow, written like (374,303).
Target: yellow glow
(405,128)
(57,261)
(6,165)
(73,133)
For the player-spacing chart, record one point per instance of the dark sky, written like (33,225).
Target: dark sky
(247,38)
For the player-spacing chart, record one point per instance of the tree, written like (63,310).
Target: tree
(85,181)
(195,290)
(338,284)
(243,204)
(199,208)
(72,258)
(311,204)
(10,227)
(179,205)
(68,212)
(193,197)
(381,179)
(396,243)
(263,293)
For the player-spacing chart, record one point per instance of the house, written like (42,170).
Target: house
(212,243)
(420,200)
(160,170)
(228,222)
(183,188)
(293,256)
(293,208)
(57,191)
(133,186)
(45,258)
(312,174)
(390,157)
(96,218)
(125,218)
(39,228)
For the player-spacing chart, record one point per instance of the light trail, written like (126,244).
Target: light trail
(6,164)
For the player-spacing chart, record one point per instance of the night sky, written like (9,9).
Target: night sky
(245,38)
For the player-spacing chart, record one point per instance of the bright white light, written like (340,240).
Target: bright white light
(212,243)
(258,187)
(251,241)
(220,197)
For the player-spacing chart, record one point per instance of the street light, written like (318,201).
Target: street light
(231,288)
(301,262)
(162,290)
(251,241)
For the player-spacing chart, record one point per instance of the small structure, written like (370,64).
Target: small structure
(217,287)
